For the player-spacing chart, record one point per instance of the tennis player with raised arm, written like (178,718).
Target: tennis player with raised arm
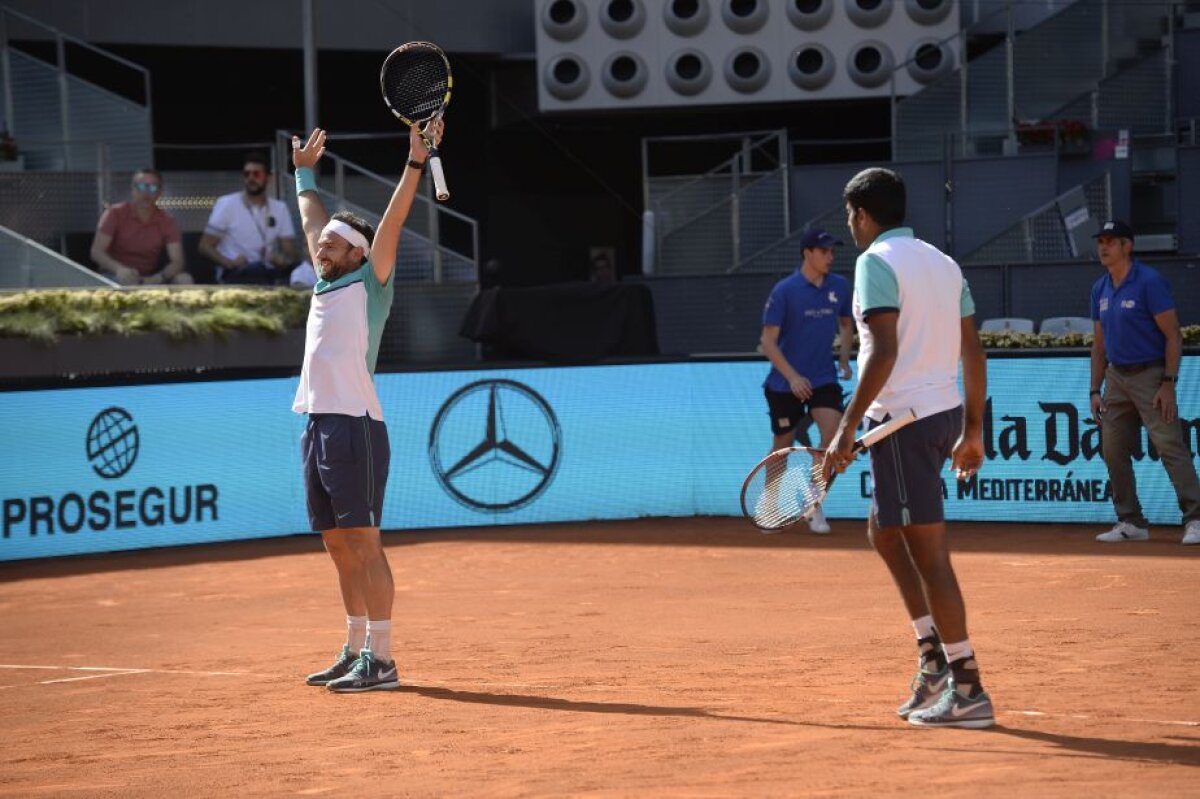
(916,321)
(345,445)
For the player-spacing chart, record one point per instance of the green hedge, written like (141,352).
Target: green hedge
(1011,340)
(180,314)
(45,315)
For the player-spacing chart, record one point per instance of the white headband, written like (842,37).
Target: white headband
(348,233)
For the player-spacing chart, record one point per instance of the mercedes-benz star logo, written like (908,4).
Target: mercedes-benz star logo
(495,445)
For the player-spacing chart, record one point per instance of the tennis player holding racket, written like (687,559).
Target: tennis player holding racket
(916,321)
(345,444)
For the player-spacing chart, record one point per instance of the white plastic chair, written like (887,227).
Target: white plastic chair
(1060,325)
(1010,324)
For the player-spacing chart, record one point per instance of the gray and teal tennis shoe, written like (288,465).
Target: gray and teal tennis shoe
(367,674)
(340,668)
(955,709)
(927,688)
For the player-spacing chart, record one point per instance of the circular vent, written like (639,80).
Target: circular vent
(686,17)
(622,18)
(928,60)
(870,64)
(747,70)
(566,77)
(564,20)
(624,74)
(744,16)
(688,72)
(811,66)
(810,15)
(928,12)
(868,13)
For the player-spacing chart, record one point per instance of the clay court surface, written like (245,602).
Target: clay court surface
(650,658)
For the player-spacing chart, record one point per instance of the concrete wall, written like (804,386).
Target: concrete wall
(1188,181)
(494,26)
(1187,74)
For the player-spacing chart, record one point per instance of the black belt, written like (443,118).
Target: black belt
(1134,368)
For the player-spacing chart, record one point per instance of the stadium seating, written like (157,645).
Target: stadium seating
(1060,325)
(1013,324)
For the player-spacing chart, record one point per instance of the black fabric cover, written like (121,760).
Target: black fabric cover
(566,322)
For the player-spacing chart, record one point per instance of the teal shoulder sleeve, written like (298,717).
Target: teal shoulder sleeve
(875,283)
(966,303)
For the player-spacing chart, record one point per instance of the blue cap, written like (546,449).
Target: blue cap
(818,237)
(1115,228)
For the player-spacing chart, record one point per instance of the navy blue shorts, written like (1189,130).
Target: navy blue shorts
(787,410)
(906,470)
(345,470)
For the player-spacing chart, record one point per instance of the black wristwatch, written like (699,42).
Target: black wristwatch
(1170,379)
(415,164)
(1094,391)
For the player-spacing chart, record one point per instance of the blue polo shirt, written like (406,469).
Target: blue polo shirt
(807,317)
(1126,314)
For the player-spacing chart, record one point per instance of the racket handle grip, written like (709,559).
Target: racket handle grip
(439,177)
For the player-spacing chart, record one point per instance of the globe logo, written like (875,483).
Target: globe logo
(112,443)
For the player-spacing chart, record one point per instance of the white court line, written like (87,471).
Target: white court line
(125,670)
(106,673)
(1113,718)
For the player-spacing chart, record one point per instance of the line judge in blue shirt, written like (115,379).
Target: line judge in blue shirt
(803,314)
(1136,353)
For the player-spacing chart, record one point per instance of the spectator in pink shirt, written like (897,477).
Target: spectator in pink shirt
(131,237)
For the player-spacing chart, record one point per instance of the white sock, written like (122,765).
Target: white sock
(958,651)
(356,633)
(924,627)
(379,638)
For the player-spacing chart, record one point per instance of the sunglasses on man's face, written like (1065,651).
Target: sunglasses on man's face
(150,187)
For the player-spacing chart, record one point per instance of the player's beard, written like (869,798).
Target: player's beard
(334,270)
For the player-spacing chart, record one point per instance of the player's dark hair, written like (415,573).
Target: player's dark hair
(358,223)
(258,157)
(148,170)
(880,192)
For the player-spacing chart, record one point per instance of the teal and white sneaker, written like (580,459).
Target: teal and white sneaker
(927,688)
(955,709)
(367,674)
(340,668)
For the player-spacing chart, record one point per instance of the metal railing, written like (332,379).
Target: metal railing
(439,244)
(1050,70)
(1044,234)
(25,264)
(45,102)
(713,220)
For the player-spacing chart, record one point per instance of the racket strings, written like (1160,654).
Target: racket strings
(415,84)
(791,485)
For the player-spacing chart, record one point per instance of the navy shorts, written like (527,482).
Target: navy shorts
(787,409)
(906,470)
(345,470)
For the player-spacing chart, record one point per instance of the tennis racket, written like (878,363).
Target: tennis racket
(789,484)
(416,82)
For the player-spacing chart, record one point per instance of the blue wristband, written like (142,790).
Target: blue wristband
(305,180)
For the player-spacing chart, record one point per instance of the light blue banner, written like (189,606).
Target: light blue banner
(102,469)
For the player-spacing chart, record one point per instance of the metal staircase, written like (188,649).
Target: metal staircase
(58,116)
(713,222)
(1093,60)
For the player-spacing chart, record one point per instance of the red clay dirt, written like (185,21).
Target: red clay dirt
(663,657)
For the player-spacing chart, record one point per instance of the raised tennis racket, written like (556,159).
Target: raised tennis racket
(789,484)
(416,82)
